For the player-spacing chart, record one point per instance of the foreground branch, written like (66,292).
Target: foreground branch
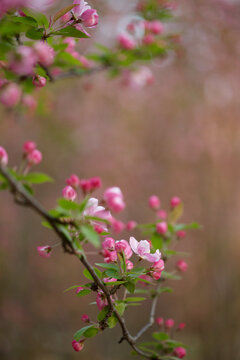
(22,197)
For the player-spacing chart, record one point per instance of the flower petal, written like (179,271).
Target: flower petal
(134,244)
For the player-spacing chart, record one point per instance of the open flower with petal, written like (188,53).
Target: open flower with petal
(142,249)
(94,210)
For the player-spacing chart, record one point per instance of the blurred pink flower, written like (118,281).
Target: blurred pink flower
(142,249)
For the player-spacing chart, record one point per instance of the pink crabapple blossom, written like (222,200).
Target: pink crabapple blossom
(28,147)
(126,41)
(154,202)
(162,214)
(117,226)
(34,157)
(73,181)
(181,265)
(10,95)
(44,52)
(181,326)
(181,234)
(175,201)
(123,246)
(3,156)
(44,251)
(93,209)
(161,228)
(108,244)
(23,62)
(158,267)
(179,352)
(85,318)
(114,199)
(129,265)
(77,345)
(79,289)
(69,193)
(142,249)
(169,323)
(159,321)
(39,81)
(131,225)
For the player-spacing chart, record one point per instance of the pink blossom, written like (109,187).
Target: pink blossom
(34,157)
(161,228)
(10,95)
(124,246)
(179,352)
(45,53)
(69,193)
(114,199)
(3,156)
(39,81)
(85,185)
(117,225)
(109,244)
(29,101)
(28,147)
(23,61)
(169,323)
(99,229)
(162,214)
(70,44)
(138,78)
(77,346)
(80,8)
(95,182)
(85,318)
(181,234)
(73,181)
(93,209)
(90,18)
(158,267)
(109,256)
(142,249)
(131,225)
(175,201)
(129,265)
(101,300)
(181,266)
(156,27)
(148,39)
(160,321)
(126,41)
(109,280)
(154,202)
(44,251)
(181,326)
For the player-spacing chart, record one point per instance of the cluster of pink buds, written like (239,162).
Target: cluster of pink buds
(87,186)
(71,50)
(114,199)
(31,153)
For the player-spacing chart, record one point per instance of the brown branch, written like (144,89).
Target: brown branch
(19,192)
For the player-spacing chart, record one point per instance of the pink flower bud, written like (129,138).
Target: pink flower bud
(159,321)
(162,214)
(95,182)
(108,280)
(179,352)
(109,256)
(85,185)
(148,39)
(39,81)
(44,251)
(154,202)
(77,346)
(116,204)
(129,265)
(123,246)
(175,201)
(79,289)
(69,193)
(181,266)
(117,226)
(44,52)
(131,225)
(156,27)
(126,42)
(3,156)
(34,157)
(101,300)
(158,267)
(85,318)
(181,234)
(109,244)
(90,18)
(28,147)
(169,323)
(23,61)
(29,101)
(99,229)
(161,228)
(181,326)
(70,44)
(10,95)
(73,181)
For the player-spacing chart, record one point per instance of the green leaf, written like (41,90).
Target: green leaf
(103,313)
(112,321)
(84,292)
(160,336)
(193,225)
(175,214)
(172,276)
(46,225)
(36,178)
(35,34)
(70,31)
(157,242)
(73,287)
(87,331)
(120,307)
(134,299)
(39,17)
(68,204)
(62,12)
(164,289)
(112,274)
(90,235)
(28,20)
(98,272)
(108,266)
(111,283)
(65,231)
(130,286)
(87,274)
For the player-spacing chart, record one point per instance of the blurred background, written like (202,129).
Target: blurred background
(181,136)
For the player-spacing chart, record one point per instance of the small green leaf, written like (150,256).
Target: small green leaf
(160,336)
(134,299)
(68,204)
(36,178)
(90,235)
(28,20)
(70,31)
(87,331)
(73,287)
(164,289)
(112,321)
(39,17)
(103,313)
(108,266)
(112,274)
(172,276)
(35,34)
(46,224)
(130,286)
(84,292)
(87,274)
(92,331)
(120,307)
